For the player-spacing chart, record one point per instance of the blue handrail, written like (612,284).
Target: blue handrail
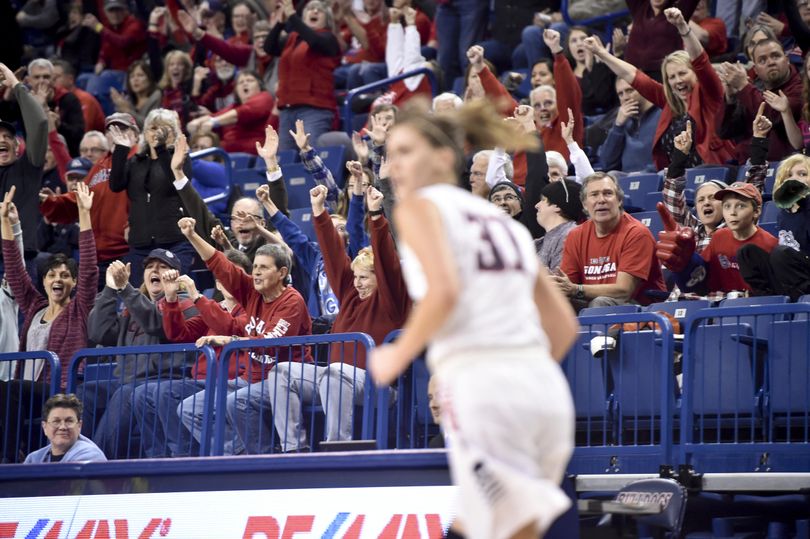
(347,104)
(52,359)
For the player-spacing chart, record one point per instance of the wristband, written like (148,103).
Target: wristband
(376,212)
(214,123)
(580,293)
(687,32)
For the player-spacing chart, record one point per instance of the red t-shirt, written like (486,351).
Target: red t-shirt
(630,248)
(718,42)
(721,255)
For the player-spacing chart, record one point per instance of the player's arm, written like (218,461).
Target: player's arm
(556,315)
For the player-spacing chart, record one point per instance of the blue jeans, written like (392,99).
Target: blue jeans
(533,45)
(316,123)
(182,250)
(162,434)
(191,412)
(459,26)
(503,57)
(117,434)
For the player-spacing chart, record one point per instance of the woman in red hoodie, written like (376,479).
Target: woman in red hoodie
(307,58)
(692,92)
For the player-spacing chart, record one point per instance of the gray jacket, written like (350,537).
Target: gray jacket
(140,324)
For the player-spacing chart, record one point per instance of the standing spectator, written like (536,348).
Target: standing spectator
(71,119)
(121,39)
(176,79)
(62,425)
(595,78)
(242,19)
(64,76)
(798,17)
(743,98)
(459,25)
(558,212)
(150,186)
(23,171)
(76,43)
(403,54)
(653,36)
(143,95)
(691,92)
(514,44)
(94,146)
(609,259)
(735,13)
(307,59)
(711,31)
(364,37)
(54,321)
(242,124)
(629,143)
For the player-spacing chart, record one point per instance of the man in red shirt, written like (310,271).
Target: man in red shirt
(64,76)
(123,37)
(609,259)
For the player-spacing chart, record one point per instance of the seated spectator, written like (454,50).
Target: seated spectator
(62,425)
(446,102)
(54,321)
(108,415)
(718,267)
(175,74)
(711,31)
(558,212)
(56,238)
(242,19)
(242,124)
(110,217)
(165,404)
(595,78)
(692,92)
(743,98)
(363,35)
(435,407)
(565,95)
(307,59)
(143,95)
(373,299)
(23,170)
(609,259)
(76,43)
(121,36)
(218,82)
(653,37)
(64,77)
(508,197)
(94,146)
(155,199)
(629,143)
(71,120)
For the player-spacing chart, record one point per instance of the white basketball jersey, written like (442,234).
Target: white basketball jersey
(497,267)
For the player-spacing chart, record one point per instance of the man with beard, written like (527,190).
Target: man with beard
(775,78)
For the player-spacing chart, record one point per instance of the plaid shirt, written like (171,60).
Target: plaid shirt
(323,176)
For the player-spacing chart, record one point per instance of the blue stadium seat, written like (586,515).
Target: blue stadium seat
(760,323)
(771,228)
(769,212)
(679,310)
(636,187)
(769,176)
(651,200)
(652,220)
(241,160)
(787,403)
(588,380)
(334,158)
(303,218)
(248,180)
(211,181)
(299,182)
(285,157)
(695,177)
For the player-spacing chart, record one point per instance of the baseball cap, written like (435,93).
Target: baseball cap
(8,126)
(79,165)
(123,118)
(115,4)
(746,190)
(167,257)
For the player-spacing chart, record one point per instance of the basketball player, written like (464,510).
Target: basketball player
(494,323)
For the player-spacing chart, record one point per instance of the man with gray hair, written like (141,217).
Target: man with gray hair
(69,118)
(488,168)
(94,146)
(610,259)
(446,102)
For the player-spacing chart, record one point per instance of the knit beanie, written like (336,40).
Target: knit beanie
(508,186)
(565,195)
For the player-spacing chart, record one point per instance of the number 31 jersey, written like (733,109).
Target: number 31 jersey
(497,268)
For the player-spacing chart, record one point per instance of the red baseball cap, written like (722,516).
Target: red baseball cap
(746,190)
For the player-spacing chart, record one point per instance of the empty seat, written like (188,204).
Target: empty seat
(761,324)
(636,187)
(334,158)
(788,403)
(248,180)
(242,160)
(303,218)
(695,177)
(769,212)
(587,378)
(299,182)
(679,310)
(285,157)
(651,200)
(652,220)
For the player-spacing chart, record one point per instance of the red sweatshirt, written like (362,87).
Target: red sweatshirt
(498,94)
(110,215)
(252,117)
(91,110)
(377,35)
(569,96)
(387,307)
(122,45)
(285,316)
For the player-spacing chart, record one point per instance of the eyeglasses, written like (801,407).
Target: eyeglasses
(69,422)
(94,149)
(506,198)
(246,217)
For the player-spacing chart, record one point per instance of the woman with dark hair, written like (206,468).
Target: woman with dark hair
(307,58)
(596,80)
(142,93)
(242,124)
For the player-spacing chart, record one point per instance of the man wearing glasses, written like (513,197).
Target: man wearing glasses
(62,427)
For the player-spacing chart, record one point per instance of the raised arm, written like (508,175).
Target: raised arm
(624,70)
(314,164)
(675,182)
(690,40)
(18,279)
(34,118)
(337,263)
(781,104)
(390,283)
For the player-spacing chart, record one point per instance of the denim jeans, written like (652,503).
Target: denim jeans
(459,26)
(504,57)
(533,45)
(316,123)
(162,434)
(191,412)
(117,434)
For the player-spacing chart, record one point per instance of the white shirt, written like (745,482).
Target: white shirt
(497,269)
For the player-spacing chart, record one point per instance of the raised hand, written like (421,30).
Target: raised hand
(179,155)
(118,137)
(186,226)
(552,40)
(524,114)
(394,15)
(171,285)
(595,47)
(5,206)
(200,74)
(84,197)
(119,273)
(220,238)
(317,197)
(374,198)
(360,147)
(378,131)
(300,136)
(675,245)
(778,102)
(675,18)
(475,55)
(7,77)
(410,16)
(775,24)
(385,168)
(762,125)
(90,21)
(188,284)
(618,42)
(269,149)
(568,128)
(683,141)
(189,24)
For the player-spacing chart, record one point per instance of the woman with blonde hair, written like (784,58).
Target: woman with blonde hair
(175,78)
(490,317)
(692,92)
